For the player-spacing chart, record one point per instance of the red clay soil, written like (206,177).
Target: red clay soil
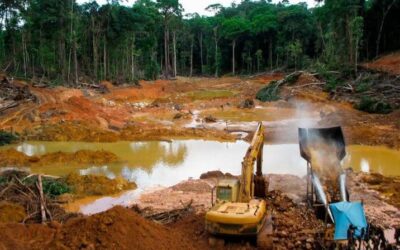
(389,64)
(193,227)
(118,228)
(18,236)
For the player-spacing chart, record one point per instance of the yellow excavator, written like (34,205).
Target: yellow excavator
(239,207)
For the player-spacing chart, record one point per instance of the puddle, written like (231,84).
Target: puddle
(156,164)
(167,163)
(250,115)
(377,159)
(234,119)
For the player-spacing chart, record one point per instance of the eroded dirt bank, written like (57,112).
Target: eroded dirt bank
(14,158)
(193,108)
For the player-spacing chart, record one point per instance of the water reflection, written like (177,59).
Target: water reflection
(152,164)
(375,159)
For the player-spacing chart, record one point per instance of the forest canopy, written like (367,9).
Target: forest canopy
(65,41)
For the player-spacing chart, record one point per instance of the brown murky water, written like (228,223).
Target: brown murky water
(377,159)
(166,163)
(160,164)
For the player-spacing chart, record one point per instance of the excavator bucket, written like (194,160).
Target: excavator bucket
(309,137)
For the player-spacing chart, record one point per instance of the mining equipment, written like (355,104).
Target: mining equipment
(239,207)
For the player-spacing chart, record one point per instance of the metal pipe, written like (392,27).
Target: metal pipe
(342,184)
(319,191)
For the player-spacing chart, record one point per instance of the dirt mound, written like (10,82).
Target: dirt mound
(97,185)
(14,158)
(10,212)
(295,226)
(389,64)
(76,131)
(21,237)
(215,174)
(118,228)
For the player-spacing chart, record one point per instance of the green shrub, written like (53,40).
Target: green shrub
(362,87)
(291,79)
(269,93)
(6,138)
(151,71)
(3,180)
(331,84)
(51,187)
(370,105)
(55,187)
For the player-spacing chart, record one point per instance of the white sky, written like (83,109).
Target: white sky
(199,6)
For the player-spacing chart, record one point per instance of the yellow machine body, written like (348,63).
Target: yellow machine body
(236,210)
(236,218)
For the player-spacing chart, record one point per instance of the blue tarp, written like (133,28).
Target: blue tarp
(346,214)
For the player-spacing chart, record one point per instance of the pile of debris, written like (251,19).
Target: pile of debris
(23,198)
(11,94)
(166,217)
(295,226)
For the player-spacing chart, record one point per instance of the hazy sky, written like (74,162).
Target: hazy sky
(198,6)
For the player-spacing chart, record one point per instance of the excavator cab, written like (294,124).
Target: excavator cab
(226,190)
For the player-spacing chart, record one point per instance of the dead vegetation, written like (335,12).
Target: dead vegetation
(24,201)
(11,94)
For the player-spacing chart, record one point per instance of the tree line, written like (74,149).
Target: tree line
(67,42)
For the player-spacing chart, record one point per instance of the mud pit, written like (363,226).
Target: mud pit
(165,110)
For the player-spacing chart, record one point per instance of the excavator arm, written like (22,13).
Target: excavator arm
(251,185)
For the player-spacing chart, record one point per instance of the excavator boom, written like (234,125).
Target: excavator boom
(251,185)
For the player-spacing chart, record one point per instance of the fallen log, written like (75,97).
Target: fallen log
(165,217)
(9,106)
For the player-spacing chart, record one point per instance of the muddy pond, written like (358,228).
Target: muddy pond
(160,164)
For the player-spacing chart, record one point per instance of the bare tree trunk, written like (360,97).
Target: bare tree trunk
(75,63)
(70,47)
(95,52)
(42,200)
(191,57)
(201,52)
(69,65)
(105,58)
(378,40)
(174,43)
(216,51)
(166,51)
(133,57)
(356,58)
(233,56)
(270,53)
(24,53)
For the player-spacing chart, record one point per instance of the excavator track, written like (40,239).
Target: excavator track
(264,236)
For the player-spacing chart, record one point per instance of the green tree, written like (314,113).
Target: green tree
(232,29)
(168,9)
